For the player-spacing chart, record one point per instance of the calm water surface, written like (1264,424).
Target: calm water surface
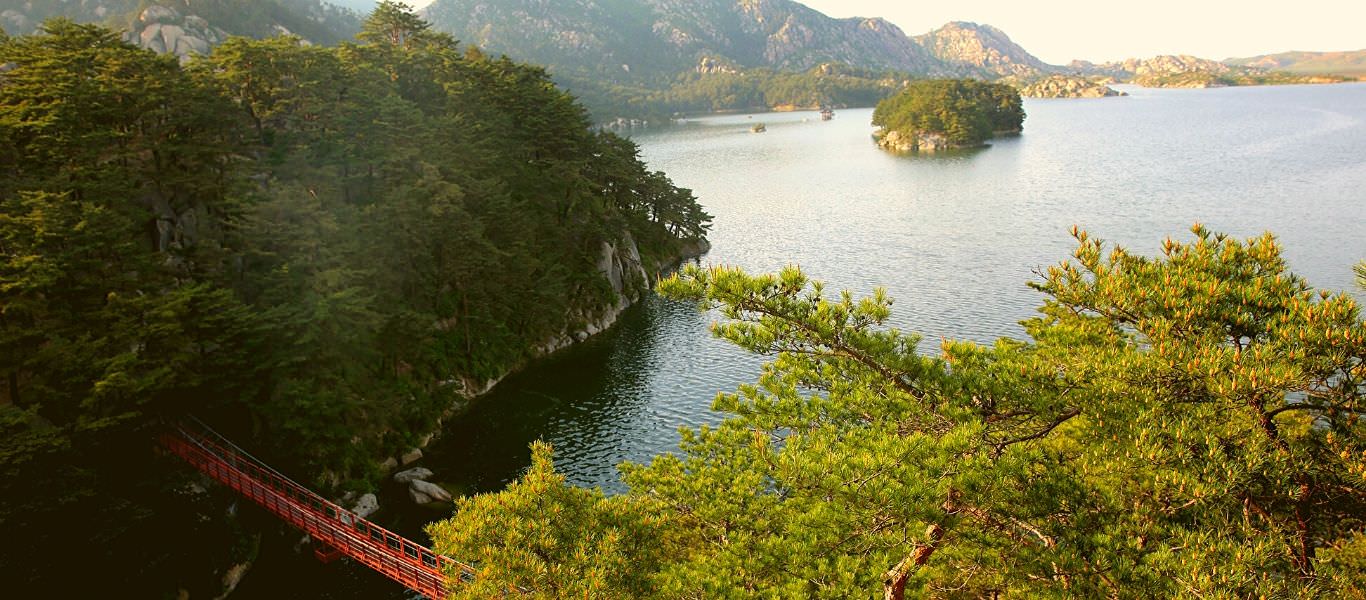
(953,238)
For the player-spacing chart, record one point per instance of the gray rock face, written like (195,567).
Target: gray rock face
(670,36)
(1064,86)
(366,506)
(981,48)
(423,492)
(412,475)
(920,142)
(710,65)
(164,30)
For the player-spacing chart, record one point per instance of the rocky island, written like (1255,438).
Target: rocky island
(942,114)
(1068,86)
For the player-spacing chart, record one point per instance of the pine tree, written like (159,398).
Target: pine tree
(1181,425)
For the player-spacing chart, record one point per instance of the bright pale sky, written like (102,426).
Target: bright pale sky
(1058,31)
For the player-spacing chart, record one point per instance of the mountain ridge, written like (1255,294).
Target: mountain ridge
(619,39)
(1343,62)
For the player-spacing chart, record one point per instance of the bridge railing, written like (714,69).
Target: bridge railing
(407,562)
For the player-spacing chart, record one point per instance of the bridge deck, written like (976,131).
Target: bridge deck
(407,562)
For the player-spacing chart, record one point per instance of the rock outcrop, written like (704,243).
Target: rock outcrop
(188,28)
(164,30)
(1066,86)
(1161,71)
(646,39)
(981,50)
(621,265)
(710,65)
(920,142)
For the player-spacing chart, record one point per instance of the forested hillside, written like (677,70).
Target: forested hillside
(318,249)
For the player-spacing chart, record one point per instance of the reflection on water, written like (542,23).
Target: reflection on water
(952,237)
(602,389)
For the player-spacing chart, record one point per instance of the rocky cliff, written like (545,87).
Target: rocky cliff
(1067,86)
(1160,71)
(656,39)
(192,27)
(981,50)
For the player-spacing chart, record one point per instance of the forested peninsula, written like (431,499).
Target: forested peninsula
(322,250)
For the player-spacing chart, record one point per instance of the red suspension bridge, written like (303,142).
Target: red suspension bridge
(335,531)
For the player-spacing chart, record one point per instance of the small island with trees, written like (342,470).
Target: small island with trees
(940,114)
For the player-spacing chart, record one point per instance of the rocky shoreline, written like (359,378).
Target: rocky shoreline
(622,265)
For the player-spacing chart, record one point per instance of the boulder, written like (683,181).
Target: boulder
(158,13)
(366,506)
(424,492)
(410,457)
(412,475)
(151,39)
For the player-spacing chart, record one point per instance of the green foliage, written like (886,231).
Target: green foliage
(966,111)
(741,89)
(317,248)
(1180,425)
(591,547)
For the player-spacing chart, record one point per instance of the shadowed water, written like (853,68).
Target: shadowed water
(953,238)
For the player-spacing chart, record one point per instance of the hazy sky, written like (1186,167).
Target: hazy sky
(1058,31)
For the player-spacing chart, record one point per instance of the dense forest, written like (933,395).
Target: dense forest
(317,249)
(736,89)
(1185,424)
(964,111)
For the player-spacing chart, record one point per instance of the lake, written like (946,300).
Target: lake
(953,238)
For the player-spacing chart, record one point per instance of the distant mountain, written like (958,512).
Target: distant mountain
(653,40)
(189,27)
(1185,71)
(982,49)
(1308,63)
(1136,68)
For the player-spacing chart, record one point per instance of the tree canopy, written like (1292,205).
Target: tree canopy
(966,111)
(315,248)
(1179,425)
